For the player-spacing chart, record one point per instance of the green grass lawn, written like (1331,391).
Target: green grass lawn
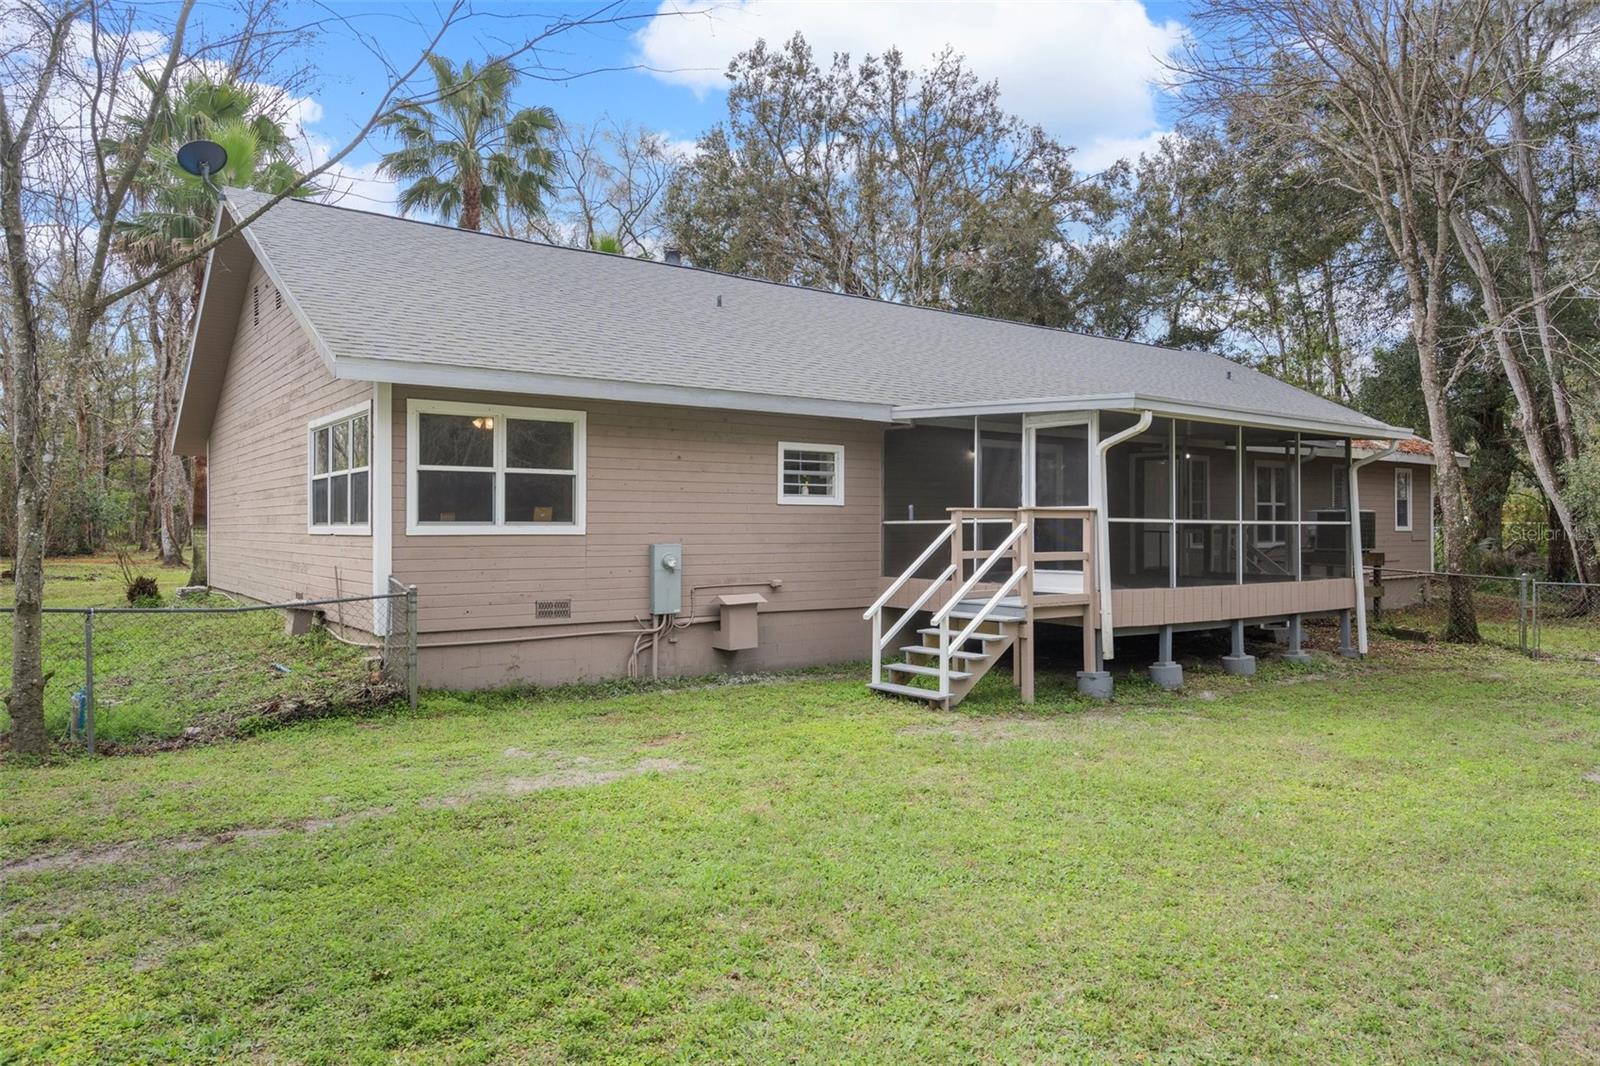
(157,675)
(1393,860)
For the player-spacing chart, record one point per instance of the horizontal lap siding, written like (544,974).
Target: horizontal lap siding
(707,479)
(1152,607)
(275,384)
(1407,551)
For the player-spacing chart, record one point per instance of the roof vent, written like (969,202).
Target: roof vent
(673,256)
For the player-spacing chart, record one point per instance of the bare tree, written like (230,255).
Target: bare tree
(610,180)
(1358,87)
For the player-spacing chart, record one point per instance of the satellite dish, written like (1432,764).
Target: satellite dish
(202,158)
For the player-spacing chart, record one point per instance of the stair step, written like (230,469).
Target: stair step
(904,690)
(985,637)
(923,649)
(924,671)
(999,614)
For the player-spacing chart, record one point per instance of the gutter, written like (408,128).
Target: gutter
(1355,537)
(1103,535)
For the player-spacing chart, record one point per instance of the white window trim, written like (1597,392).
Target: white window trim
(499,412)
(1401,473)
(833,499)
(347,529)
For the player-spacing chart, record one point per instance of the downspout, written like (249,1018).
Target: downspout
(1355,537)
(1102,555)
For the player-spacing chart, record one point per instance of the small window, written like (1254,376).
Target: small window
(340,473)
(1402,500)
(494,469)
(811,474)
(1339,489)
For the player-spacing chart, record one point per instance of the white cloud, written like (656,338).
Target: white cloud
(1085,71)
(1102,152)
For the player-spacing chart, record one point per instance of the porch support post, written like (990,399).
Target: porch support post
(1347,646)
(1164,672)
(1239,663)
(1094,680)
(1295,654)
(1023,658)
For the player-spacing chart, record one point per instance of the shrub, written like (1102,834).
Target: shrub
(141,589)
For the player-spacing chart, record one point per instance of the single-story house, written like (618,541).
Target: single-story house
(589,464)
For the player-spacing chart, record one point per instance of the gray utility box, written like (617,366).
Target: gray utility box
(666,578)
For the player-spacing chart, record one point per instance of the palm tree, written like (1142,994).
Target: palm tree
(469,152)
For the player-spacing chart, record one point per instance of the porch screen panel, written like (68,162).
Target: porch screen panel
(1061,479)
(1141,554)
(1138,471)
(927,469)
(1325,537)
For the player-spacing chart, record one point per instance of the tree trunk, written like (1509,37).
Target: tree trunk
(471,202)
(1544,467)
(25,700)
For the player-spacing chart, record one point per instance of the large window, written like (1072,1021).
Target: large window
(491,469)
(339,472)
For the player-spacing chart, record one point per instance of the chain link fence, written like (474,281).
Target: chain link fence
(1550,619)
(210,667)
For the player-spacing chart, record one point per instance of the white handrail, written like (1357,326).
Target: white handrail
(977,575)
(910,612)
(988,608)
(912,569)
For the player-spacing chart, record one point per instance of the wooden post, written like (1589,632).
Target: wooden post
(1022,658)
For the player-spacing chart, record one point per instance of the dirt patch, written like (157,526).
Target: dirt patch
(580,771)
(1593,776)
(140,850)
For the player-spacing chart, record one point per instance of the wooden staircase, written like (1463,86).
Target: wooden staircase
(979,622)
(917,674)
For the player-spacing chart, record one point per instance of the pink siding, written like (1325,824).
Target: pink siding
(274,386)
(1407,551)
(706,479)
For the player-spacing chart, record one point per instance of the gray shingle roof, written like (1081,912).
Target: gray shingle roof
(379,288)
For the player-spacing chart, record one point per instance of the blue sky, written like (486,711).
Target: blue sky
(1085,70)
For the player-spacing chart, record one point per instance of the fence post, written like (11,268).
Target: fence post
(88,679)
(411,646)
(1522,611)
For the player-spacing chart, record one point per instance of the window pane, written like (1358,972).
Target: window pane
(1000,461)
(538,445)
(808,473)
(1141,554)
(1324,552)
(540,497)
(358,498)
(455,440)
(927,469)
(358,441)
(1137,470)
(339,499)
(319,502)
(455,496)
(1269,553)
(1208,555)
(1208,471)
(321,446)
(341,446)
